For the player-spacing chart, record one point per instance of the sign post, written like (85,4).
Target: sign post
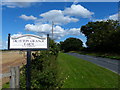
(29,43)
(28,73)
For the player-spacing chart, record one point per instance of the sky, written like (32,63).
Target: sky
(36,18)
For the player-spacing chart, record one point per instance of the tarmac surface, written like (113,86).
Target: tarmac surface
(111,64)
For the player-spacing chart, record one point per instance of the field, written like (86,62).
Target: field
(74,72)
(11,58)
(78,73)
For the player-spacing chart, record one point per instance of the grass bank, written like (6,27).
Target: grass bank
(78,73)
(100,54)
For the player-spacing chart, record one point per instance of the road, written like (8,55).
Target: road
(111,64)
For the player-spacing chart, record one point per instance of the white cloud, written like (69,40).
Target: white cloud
(3,44)
(28,17)
(58,17)
(63,17)
(18,3)
(74,31)
(16,35)
(43,28)
(113,17)
(78,10)
(59,32)
(75,1)
(94,20)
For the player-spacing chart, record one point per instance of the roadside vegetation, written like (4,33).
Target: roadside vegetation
(78,73)
(43,69)
(102,36)
(70,72)
(103,40)
(100,54)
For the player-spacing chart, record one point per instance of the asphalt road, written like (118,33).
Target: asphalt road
(111,64)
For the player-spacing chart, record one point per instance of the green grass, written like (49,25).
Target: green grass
(6,85)
(78,73)
(104,55)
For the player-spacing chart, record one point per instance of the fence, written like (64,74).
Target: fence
(14,75)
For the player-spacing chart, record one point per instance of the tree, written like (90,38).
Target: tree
(71,44)
(102,35)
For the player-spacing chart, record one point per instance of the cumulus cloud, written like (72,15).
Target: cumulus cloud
(78,10)
(59,32)
(74,31)
(43,28)
(28,17)
(113,17)
(58,17)
(16,35)
(65,16)
(70,14)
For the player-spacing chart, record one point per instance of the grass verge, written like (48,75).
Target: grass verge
(78,73)
(99,54)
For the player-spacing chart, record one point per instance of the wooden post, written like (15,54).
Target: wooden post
(17,77)
(12,78)
(8,41)
(52,29)
(28,75)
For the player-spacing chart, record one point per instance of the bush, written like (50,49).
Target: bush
(43,69)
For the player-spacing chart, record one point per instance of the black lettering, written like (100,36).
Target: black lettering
(15,41)
(24,44)
(23,40)
(27,40)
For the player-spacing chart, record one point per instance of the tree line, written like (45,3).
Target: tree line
(102,36)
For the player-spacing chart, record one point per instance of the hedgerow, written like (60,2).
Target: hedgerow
(44,73)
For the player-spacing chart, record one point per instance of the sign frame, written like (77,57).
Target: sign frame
(28,68)
(34,49)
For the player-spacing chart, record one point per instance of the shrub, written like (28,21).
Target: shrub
(43,69)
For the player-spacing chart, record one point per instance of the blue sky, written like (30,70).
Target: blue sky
(68,17)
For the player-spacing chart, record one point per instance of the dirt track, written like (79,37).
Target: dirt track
(11,58)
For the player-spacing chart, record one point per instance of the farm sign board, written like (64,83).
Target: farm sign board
(27,42)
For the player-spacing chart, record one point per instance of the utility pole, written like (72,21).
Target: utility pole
(52,29)
(119,12)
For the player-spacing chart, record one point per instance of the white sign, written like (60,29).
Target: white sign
(28,41)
